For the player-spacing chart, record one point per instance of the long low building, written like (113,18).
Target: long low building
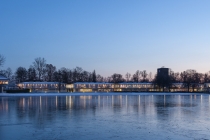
(132,87)
(43,86)
(112,87)
(106,87)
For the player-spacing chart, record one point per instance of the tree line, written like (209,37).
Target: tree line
(42,71)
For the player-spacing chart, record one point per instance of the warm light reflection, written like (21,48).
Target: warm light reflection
(84,102)
(85,97)
(56,101)
(99,100)
(112,100)
(164,100)
(191,100)
(149,104)
(209,100)
(40,101)
(126,101)
(23,102)
(179,100)
(4,105)
(66,102)
(120,100)
(201,98)
(70,101)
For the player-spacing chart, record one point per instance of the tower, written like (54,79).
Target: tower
(163,72)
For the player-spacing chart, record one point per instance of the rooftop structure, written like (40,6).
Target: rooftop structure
(163,71)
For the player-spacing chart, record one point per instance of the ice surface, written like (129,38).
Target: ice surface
(105,116)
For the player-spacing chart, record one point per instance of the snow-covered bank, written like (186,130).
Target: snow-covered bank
(91,93)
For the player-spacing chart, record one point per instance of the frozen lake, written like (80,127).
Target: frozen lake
(117,116)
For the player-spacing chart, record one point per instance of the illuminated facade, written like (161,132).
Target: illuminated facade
(106,87)
(130,87)
(112,87)
(3,82)
(43,86)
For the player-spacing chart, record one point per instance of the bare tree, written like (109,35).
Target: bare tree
(57,76)
(127,76)
(2,60)
(7,73)
(196,80)
(85,76)
(106,79)
(64,75)
(150,77)
(50,69)
(94,77)
(109,79)
(206,77)
(144,76)
(174,77)
(117,78)
(99,78)
(190,78)
(31,74)
(137,76)
(21,74)
(77,74)
(3,73)
(39,65)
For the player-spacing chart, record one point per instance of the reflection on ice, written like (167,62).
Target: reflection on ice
(117,116)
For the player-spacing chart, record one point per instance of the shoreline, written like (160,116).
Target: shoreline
(98,94)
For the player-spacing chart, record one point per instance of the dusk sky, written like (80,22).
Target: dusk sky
(110,36)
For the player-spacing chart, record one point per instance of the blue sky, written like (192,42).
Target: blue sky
(110,36)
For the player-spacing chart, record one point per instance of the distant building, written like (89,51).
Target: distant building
(3,82)
(163,71)
(43,86)
(111,87)
(105,87)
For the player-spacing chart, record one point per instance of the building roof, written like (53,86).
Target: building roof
(40,83)
(110,83)
(3,78)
